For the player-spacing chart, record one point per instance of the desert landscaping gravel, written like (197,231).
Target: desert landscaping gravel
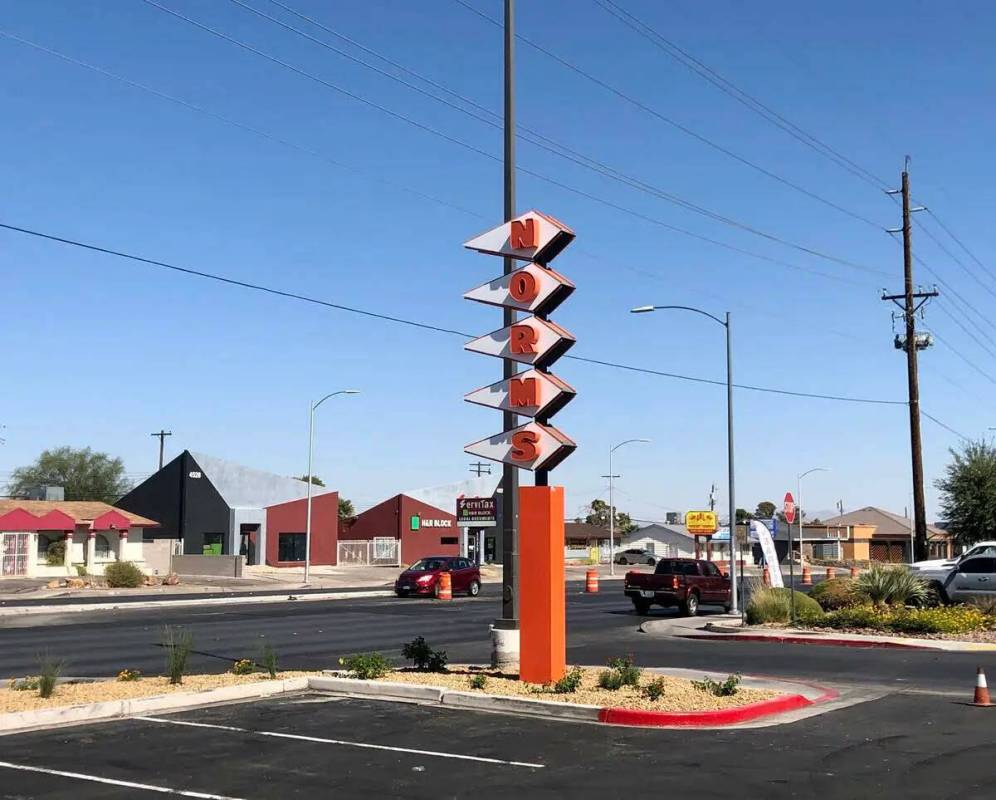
(679,694)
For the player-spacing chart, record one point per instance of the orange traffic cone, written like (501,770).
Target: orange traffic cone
(767,577)
(854,572)
(981,689)
(807,577)
(591,581)
(831,575)
(444,590)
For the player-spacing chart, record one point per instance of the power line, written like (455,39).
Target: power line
(415,323)
(473,148)
(673,123)
(948,428)
(954,258)
(959,242)
(729,88)
(964,358)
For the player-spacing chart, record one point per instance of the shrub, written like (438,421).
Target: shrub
(570,683)
(81,570)
(423,657)
(610,679)
(628,673)
(892,586)
(49,671)
(478,681)
(28,683)
(244,666)
(268,660)
(987,605)
(655,690)
(123,575)
(950,619)
(178,644)
(127,675)
(366,666)
(835,594)
(774,604)
(55,555)
(726,688)
(864,616)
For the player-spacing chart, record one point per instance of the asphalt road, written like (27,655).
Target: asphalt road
(901,747)
(311,635)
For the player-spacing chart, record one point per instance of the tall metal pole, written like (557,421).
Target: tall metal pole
(916,447)
(307,524)
(510,474)
(612,520)
(735,603)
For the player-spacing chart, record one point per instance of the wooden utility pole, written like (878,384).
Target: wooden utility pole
(162,444)
(910,302)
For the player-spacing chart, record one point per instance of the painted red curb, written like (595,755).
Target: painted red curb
(710,719)
(749,637)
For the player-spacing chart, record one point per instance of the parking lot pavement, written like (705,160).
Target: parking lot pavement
(902,746)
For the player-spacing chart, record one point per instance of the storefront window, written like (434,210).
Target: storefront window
(102,546)
(291,547)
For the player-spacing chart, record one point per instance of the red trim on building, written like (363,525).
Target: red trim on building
(18,520)
(292,517)
(56,520)
(393,518)
(111,519)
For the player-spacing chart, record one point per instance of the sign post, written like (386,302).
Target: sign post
(537,342)
(789,511)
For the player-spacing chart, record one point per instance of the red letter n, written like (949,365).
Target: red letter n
(523,234)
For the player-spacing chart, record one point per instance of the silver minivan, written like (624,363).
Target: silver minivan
(973,578)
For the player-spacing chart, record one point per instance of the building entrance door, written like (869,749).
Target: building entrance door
(14,553)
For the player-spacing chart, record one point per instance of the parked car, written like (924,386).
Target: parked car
(939,569)
(422,577)
(973,578)
(681,582)
(636,555)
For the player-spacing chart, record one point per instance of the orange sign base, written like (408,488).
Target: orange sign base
(542,612)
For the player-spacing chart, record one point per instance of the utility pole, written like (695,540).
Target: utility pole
(480,468)
(162,444)
(510,474)
(911,302)
(712,498)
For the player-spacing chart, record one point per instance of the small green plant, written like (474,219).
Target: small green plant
(987,605)
(629,674)
(123,575)
(774,604)
(726,688)
(81,570)
(943,619)
(268,659)
(29,683)
(177,643)
(835,594)
(244,666)
(49,670)
(478,681)
(655,690)
(423,657)
(892,586)
(570,683)
(366,666)
(55,555)
(610,679)
(128,675)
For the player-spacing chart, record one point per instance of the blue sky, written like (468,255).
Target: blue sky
(100,352)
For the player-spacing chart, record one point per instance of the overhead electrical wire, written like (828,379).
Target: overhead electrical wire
(410,322)
(669,121)
(929,234)
(580,159)
(959,242)
(948,428)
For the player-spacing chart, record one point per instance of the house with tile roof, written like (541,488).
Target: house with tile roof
(870,534)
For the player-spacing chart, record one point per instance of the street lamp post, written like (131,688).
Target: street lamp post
(735,604)
(612,506)
(311,455)
(798,495)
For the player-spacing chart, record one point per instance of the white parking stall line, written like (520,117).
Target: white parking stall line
(343,743)
(147,787)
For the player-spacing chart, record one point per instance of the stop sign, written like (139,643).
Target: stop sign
(789,508)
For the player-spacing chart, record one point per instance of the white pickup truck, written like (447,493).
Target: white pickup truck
(939,569)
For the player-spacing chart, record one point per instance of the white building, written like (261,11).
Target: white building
(51,539)
(673,541)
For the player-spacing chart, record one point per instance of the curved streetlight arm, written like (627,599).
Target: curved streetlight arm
(645,309)
(628,441)
(814,469)
(333,394)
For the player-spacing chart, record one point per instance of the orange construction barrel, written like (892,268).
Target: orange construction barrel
(444,589)
(854,572)
(591,581)
(807,577)
(767,577)
(831,575)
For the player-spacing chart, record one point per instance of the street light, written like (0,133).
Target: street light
(734,606)
(311,454)
(612,507)
(802,511)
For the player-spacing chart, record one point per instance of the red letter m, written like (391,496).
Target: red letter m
(523,393)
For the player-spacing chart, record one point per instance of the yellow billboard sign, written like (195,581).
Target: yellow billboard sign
(702,523)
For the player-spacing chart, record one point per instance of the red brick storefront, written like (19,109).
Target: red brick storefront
(288,520)
(435,533)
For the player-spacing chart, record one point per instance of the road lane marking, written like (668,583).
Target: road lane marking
(364,745)
(148,787)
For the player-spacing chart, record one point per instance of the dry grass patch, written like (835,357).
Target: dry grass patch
(678,694)
(74,694)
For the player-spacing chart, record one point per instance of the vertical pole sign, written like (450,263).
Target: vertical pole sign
(537,342)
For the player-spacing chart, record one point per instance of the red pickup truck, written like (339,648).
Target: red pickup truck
(681,582)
